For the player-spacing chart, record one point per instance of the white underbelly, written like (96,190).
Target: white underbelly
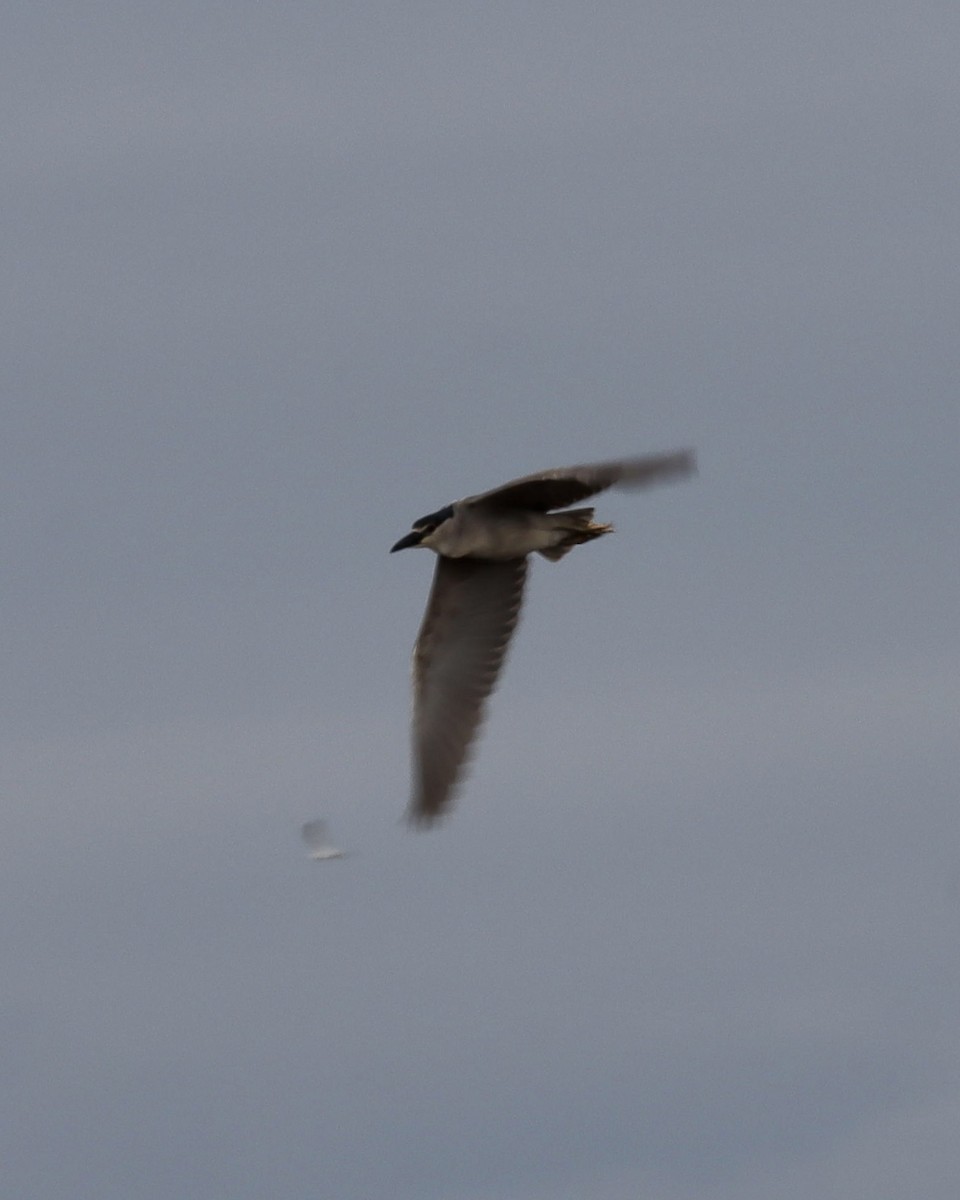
(496,538)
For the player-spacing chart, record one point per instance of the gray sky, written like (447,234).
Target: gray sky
(280,279)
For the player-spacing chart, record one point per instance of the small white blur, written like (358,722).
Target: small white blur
(314,833)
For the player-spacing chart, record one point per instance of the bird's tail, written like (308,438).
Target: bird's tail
(577,525)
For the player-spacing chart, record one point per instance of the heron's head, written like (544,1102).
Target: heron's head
(423,527)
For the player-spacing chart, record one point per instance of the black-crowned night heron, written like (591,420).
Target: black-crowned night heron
(482,543)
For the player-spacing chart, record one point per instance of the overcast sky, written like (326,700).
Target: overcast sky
(278,278)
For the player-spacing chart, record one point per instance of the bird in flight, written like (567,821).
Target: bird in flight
(482,543)
(314,833)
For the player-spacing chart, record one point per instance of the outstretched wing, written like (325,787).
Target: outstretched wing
(471,613)
(568,485)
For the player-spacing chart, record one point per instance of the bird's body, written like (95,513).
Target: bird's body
(482,543)
(473,532)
